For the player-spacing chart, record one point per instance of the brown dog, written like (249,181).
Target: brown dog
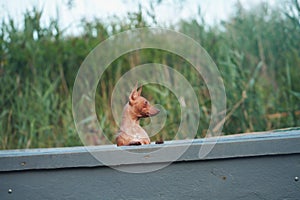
(131,133)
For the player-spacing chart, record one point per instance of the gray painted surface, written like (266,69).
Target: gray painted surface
(250,166)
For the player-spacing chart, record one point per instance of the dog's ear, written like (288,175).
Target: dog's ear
(139,91)
(134,94)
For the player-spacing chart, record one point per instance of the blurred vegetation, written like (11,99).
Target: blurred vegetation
(256,51)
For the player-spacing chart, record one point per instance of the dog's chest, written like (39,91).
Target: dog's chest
(137,132)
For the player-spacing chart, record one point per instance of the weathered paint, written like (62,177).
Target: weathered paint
(250,166)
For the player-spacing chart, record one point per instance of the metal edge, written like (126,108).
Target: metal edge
(233,146)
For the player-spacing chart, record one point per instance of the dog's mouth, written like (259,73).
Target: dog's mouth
(153,112)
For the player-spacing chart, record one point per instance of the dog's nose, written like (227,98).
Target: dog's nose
(154,111)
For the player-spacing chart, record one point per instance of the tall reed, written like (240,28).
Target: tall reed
(256,51)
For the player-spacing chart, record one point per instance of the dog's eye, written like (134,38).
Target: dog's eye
(145,102)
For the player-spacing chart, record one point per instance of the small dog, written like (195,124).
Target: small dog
(131,133)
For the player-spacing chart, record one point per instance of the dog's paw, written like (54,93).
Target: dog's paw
(136,143)
(159,142)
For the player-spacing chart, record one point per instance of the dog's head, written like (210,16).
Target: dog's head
(140,105)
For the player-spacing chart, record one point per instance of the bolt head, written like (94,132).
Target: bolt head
(9,191)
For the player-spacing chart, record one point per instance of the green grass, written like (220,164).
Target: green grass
(256,51)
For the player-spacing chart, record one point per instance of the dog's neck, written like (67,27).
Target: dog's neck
(129,119)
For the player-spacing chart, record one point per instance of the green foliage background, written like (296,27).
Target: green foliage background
(256,51)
